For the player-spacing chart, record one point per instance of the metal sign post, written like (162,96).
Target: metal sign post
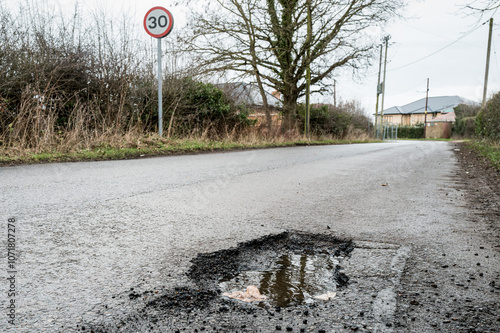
(160,92)
(158,23)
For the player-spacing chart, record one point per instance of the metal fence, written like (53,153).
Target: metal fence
(387,131)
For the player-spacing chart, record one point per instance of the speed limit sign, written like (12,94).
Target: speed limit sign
(158,22)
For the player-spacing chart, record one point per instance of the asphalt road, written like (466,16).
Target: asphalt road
(86,233)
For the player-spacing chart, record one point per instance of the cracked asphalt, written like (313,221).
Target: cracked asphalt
(90,235)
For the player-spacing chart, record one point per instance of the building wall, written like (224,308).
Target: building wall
(393,119)
(407,119)
(438,130)
(261,118)
(420,118)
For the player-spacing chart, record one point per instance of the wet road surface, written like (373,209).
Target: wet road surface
(90,233)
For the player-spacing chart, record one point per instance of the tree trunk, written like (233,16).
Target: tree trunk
(289,111)
(269,119)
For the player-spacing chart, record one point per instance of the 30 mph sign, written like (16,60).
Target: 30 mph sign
(158,22)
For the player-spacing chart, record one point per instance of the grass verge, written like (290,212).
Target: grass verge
(488,149)
(427,139)
(154,146)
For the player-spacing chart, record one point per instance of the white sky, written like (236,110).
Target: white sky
(456,70)
(431,25)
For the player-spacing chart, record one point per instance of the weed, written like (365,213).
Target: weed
(488,149)
(152,145)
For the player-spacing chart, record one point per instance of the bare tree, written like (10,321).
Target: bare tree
(480,9)
(267,41)
(483,6)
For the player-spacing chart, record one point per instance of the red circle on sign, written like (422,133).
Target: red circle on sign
(152,26)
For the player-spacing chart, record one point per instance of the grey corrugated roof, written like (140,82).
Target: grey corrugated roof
(394,110)
(441,104)
(248,93)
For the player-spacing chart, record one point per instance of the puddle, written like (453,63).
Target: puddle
(291,279)
(289,268)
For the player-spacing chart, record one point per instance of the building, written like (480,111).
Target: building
(250,95)
(439,108)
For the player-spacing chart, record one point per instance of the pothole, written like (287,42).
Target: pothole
(279,270)
(288,270)
(291,278)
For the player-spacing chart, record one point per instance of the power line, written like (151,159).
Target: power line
(424,31)
(404,90)
(441,49)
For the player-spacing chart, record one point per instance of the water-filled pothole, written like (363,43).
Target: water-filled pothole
(290,279)
(288,268)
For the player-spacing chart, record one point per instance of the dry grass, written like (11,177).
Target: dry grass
(108,145)
(35,130)
(88,134)
(90,95)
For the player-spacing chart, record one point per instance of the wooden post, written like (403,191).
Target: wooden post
(379,91)
(386,40)
(426,105)
(488,54)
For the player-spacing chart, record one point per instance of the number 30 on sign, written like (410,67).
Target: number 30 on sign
(158,22)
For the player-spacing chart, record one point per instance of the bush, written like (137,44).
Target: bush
(57,86)
(411,132)
(465,117)
(85,86)
(336,120)
(197,107)
(488,120)
(465,127)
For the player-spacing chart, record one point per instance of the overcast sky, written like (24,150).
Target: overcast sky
(431,25)
(457,70)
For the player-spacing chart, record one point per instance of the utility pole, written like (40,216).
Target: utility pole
(308,70)
(386,40)
(379,91)
(426,105)
(490,37)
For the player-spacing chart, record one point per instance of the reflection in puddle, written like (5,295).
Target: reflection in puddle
(292,278)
